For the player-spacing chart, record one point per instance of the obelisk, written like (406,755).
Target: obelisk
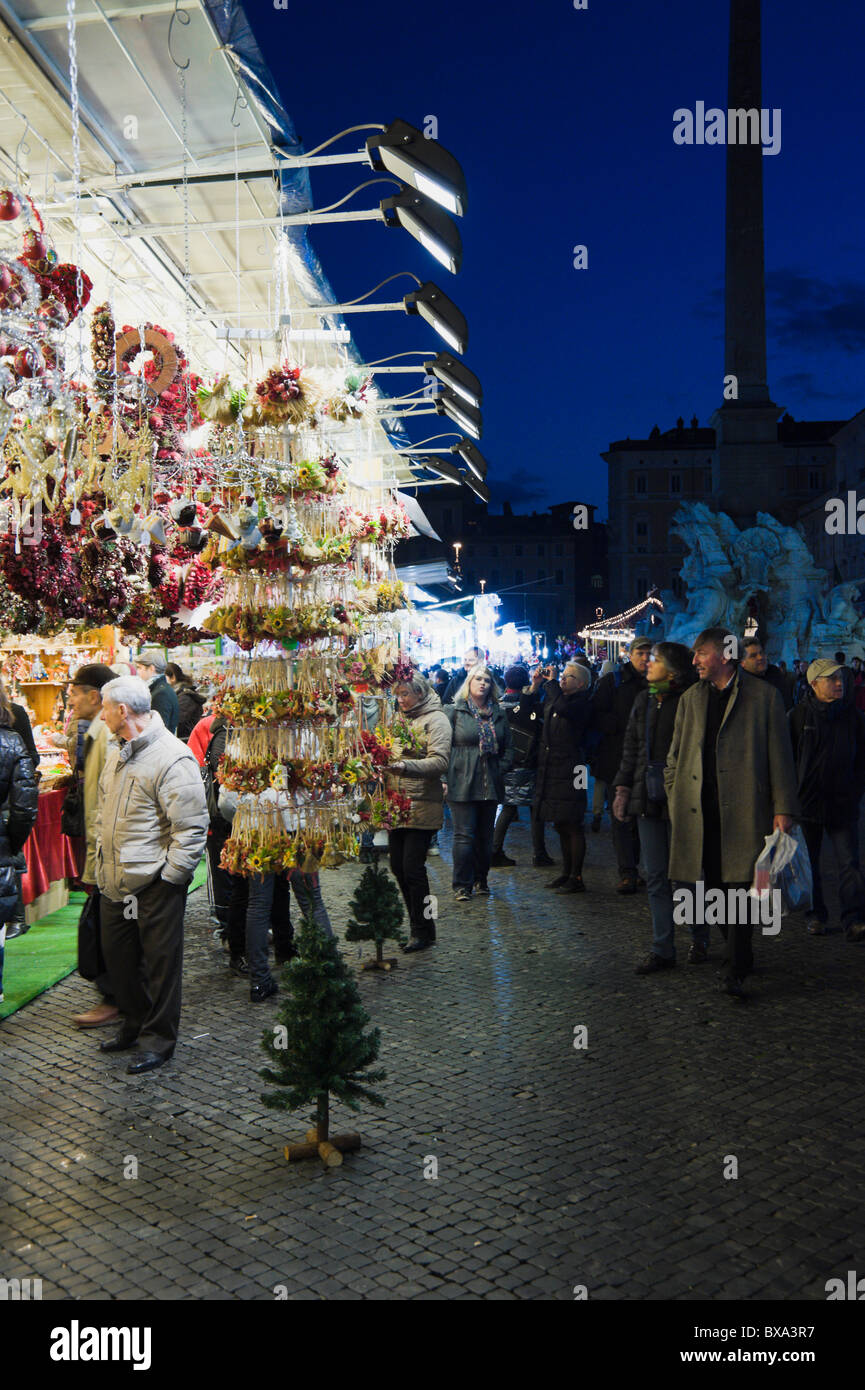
(750,459)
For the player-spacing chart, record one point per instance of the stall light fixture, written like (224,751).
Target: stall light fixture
(443,469)
(457,377)
(424,164)
(478,488)
(471,457)
(466,416)
(428,224)
(429,302)
(441,313)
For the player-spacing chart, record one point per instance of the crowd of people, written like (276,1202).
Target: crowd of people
(699,753)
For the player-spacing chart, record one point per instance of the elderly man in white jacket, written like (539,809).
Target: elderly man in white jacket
(151,830)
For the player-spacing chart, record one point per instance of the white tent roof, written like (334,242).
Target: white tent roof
(133,227)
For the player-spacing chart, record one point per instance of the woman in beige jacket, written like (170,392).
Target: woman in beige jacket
(420,779)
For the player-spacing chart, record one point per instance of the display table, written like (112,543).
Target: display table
(51,857)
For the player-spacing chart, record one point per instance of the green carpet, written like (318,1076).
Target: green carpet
(48,952)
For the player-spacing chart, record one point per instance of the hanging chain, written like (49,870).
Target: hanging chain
(76,173)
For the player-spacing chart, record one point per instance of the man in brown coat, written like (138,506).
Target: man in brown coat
(730,781)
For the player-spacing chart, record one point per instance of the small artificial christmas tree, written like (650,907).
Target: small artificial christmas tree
(377,915)
(318,1047)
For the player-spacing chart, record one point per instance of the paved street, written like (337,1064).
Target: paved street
(557,1167)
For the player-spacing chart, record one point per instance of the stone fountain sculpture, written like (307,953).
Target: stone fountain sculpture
(729,573)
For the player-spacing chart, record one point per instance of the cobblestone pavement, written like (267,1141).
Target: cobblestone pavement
(556,1167)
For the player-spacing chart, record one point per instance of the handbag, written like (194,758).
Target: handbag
(91,962)
(72,815)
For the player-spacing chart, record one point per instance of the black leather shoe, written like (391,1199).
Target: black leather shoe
(120,1043)
(542,861)
(259,993)
(145,1061)
(500,860)
(418,943)
(239,965)
(627,884)
(557,882)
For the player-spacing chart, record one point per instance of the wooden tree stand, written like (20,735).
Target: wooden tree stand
(380,963)
(321,1144)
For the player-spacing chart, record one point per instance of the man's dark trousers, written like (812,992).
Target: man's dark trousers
(738,955)
(851,887)
(144,958)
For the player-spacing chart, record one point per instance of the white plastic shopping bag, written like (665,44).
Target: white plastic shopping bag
(784,864)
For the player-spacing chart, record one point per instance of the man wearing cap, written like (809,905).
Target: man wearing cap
(611,706)
(731,781)
(88,759)
(151,665)
(828,736)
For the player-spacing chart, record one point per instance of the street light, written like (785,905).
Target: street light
(426,222)
(468,417)
(458,545)
(424,164)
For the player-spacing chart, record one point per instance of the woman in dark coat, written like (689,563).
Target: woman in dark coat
(639,785)
(189,702)
(481,754)
(567,711)
(20,794)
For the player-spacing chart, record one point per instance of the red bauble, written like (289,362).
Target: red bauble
(29,362)
(10,206)
(34,247)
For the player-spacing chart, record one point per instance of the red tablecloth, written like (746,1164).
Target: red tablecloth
(49,853)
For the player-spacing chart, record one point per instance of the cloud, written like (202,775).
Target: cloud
(804,311)
(518,488)
(804,385)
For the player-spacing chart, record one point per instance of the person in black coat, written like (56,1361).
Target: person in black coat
(828,735)
(190,702)
(525,716)
(612,702)
(640,794)
(560,787)
(151,666)
(755,660)
(472,658)
(20,793)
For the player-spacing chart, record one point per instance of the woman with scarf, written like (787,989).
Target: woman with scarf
(481,754)
(640,792)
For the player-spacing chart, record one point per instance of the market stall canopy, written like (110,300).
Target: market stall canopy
(168,181)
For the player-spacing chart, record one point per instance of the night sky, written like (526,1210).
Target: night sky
(563,122)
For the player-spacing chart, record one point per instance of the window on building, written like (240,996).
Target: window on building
(675,482)
(814,479)
(641,584)
(560,576)
(641,528)
(641,484)
(560,549)
(597,581)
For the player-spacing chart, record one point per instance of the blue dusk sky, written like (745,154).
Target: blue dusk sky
(563,122)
